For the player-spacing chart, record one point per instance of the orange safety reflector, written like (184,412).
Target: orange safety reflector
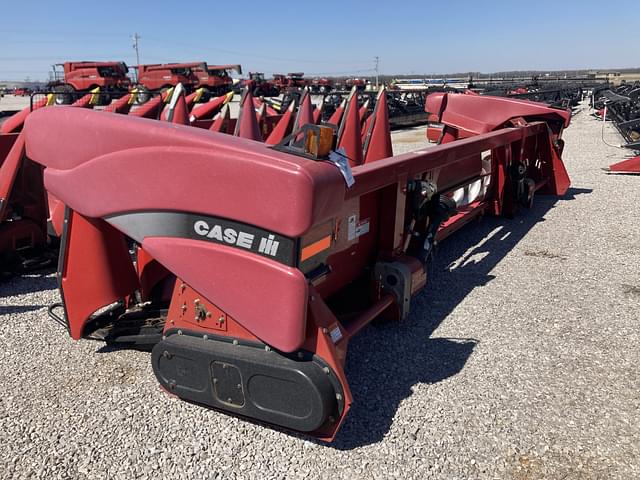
(315,248)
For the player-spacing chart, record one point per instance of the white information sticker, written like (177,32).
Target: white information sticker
(335,334)
(362,227)
(351,227)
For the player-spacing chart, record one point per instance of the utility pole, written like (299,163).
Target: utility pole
(136,37)
(377,60)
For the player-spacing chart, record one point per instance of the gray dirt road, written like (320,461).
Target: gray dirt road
(519,361)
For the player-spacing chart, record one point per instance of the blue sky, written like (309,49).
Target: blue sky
(324,38)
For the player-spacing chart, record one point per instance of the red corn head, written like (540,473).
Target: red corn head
(630,166)
(305,112)
(123,104)
(317,112)
(364,111)
(89,100)
(336,116)
(349,136)
(151,108)
(283,127)
(222,121)
(377,141)
(177,110)
(194,97)
(209,109)
(247,124)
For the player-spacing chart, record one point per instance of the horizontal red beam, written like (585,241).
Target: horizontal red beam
(373,176)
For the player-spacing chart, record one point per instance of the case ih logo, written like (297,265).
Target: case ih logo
(267,245)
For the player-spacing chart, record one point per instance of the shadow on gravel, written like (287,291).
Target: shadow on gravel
(384,363)
(11,309)
(19,285)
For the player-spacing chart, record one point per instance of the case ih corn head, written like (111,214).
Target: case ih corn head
(250,265)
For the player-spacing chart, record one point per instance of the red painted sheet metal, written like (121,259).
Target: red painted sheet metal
(121,105)
(283,127)
(630,166)
(350,136)
(247,125)
(9,166)
(378,136)
(317,112)
(200,171)
(275,313)
(375,175)
(305,112)
(86,101)
(222,123)
(481,114)
(208,109)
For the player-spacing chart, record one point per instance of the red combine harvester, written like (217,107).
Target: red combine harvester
(215,79)
(359,83)
(321,85)
(158,77)
(290,81)
(110,77)
(21,92)
(259,86)
(251,290)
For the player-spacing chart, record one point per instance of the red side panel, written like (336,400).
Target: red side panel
(96,270)
(200,171)
(150,273)
(56,213)
(481,114)
(267,298)
(559,178)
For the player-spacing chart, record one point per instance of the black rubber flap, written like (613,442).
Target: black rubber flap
(246,380)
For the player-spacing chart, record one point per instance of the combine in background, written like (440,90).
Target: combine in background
(215,79)
(321,85)
(69,78)
(290,81)
(259,86)
(158,77)
(359,83)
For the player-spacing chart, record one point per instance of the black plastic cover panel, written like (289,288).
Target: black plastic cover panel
(246,380)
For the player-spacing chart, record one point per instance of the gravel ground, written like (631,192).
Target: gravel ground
(518,362)
(12,103)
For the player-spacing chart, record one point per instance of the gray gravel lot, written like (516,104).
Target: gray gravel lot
(520,361)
